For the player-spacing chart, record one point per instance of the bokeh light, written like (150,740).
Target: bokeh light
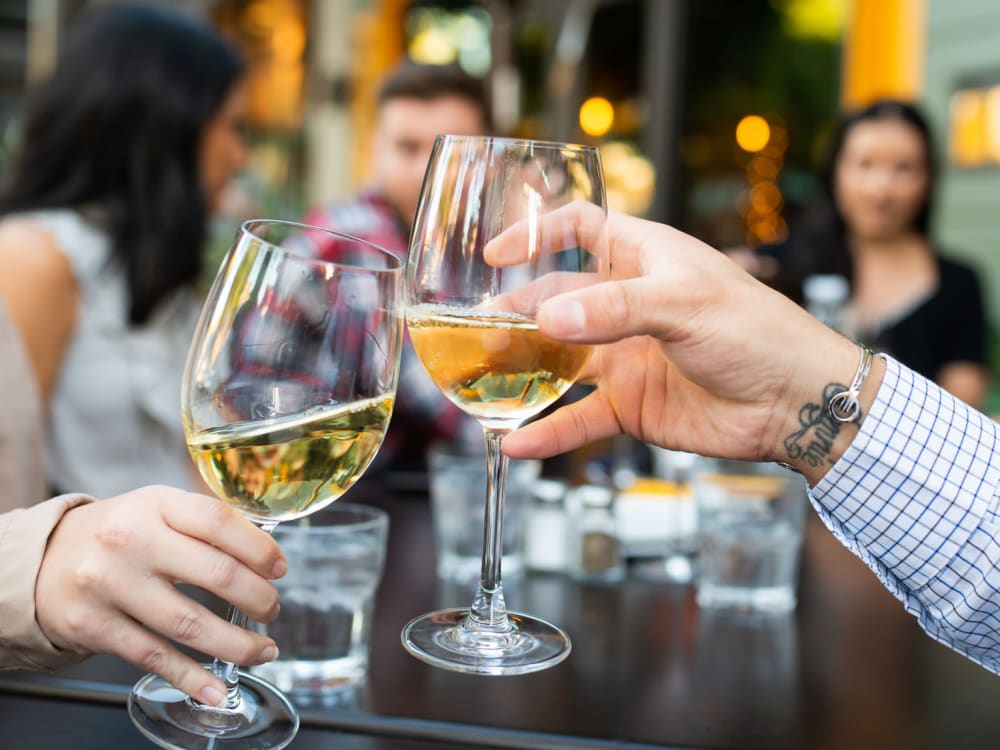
(814,19)
(629,177)
(597,115)
(765,139)
(439,36)
(753,133)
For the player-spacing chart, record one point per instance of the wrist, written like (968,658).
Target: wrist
(812,438)
(50,592)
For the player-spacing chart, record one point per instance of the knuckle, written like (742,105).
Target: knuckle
(80,626)
(162,496)
(619,305)
(218,514)
(153,659)
(90,577)
(116,536)
(224,571)
(189,627)
(582,426)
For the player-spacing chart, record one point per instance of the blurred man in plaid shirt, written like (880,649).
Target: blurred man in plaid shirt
(415,104)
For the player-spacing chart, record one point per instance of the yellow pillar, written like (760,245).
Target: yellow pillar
(884,48)
(379,43)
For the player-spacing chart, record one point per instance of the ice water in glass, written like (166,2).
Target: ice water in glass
(335,564)
(750,526)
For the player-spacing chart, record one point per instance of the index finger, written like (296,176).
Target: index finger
(526,299)
(567,428)
(580,224)
(224,527)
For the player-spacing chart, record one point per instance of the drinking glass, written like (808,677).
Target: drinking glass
(470,312)
(288,390)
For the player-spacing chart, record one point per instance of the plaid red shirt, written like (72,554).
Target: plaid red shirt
(422,414)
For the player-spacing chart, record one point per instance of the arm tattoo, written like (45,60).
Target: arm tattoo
(811,444)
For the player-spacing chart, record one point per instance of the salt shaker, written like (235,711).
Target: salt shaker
(545,528)
(594,546)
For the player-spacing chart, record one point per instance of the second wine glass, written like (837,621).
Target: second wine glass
(502,224)
(288,390)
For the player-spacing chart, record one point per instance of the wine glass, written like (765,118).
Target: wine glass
(288,390)
(471,321)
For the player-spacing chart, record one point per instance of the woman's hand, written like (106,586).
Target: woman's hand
(107,584)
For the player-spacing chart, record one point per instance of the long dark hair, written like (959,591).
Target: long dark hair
(117,127)
(819,243)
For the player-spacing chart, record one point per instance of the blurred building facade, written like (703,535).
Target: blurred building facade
(711,114)
(609,72)
(962,98)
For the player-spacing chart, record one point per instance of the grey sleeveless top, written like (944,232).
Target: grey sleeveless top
(114,415)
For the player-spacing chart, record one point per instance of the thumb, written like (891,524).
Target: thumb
(605,312)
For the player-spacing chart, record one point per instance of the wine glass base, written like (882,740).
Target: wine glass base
(265,720)
(442,639)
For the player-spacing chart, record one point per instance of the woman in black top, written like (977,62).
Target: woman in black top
(873,229)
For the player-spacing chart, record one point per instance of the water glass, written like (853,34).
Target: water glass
(750,527)
(335,563)
(457,489)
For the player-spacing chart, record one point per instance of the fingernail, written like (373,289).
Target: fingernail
(279,569)
(212,696)
(270,653)
(565,318)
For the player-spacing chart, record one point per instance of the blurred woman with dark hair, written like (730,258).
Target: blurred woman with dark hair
(873,228)
(123,152)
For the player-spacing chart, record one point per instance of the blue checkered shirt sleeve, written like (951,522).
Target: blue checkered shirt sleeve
(915,497)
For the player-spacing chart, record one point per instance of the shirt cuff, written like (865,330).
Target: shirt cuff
(916,481)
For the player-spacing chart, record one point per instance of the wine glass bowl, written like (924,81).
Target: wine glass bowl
(287,393)
(496,366)
(291,380)
(498,231)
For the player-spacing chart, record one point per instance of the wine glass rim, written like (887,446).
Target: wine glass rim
(394,263)
(532,142)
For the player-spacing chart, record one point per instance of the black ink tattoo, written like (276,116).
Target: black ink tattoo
(813,442)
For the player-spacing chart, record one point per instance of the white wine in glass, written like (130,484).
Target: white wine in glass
(471,318)
(288,390)
(279,469)
(493,365)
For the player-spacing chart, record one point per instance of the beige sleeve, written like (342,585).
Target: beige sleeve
(22,449)
(24,534)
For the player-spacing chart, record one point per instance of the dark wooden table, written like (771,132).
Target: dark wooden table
(848,670)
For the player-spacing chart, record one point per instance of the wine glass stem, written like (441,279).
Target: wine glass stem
(227,670)
(489,610)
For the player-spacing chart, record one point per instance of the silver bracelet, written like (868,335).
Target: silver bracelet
(844,406)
